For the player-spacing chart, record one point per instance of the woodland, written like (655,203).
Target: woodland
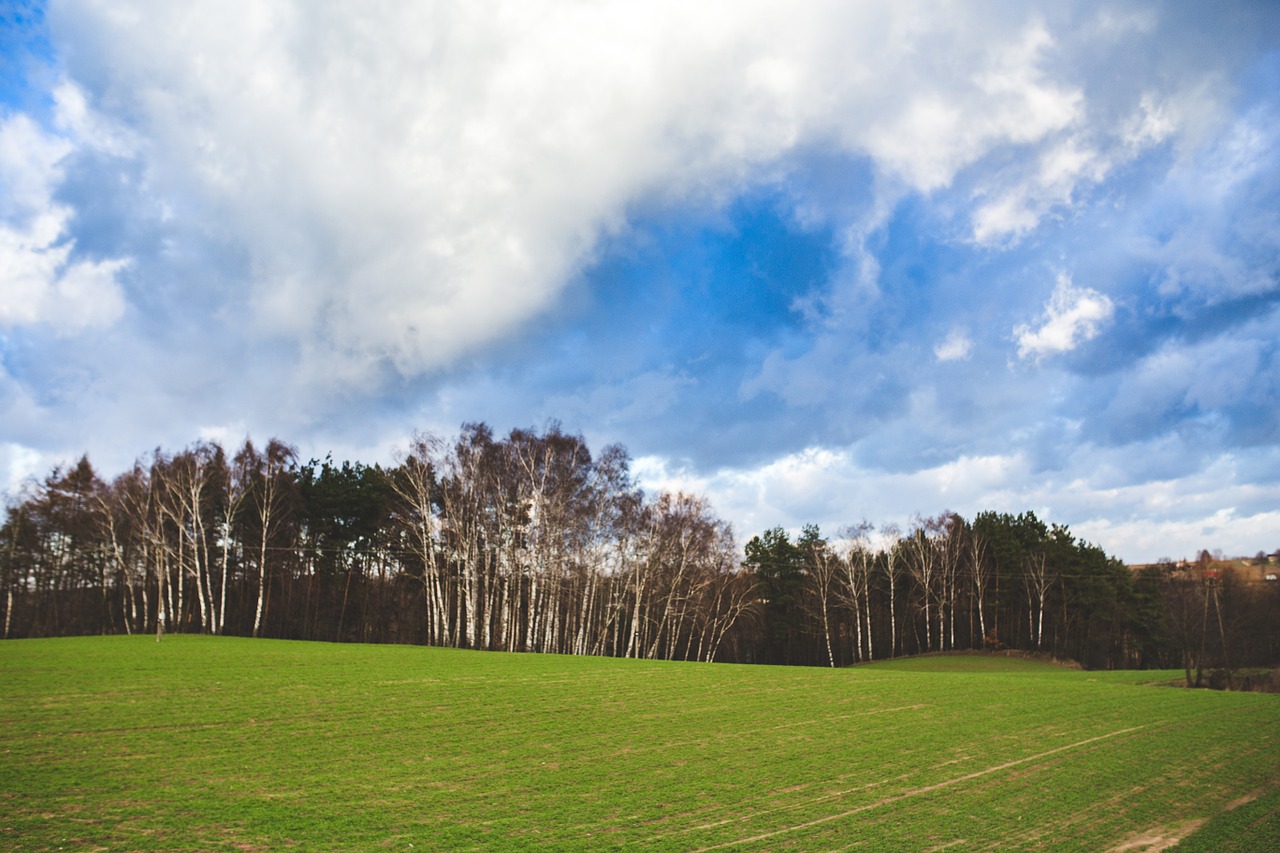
(532,543)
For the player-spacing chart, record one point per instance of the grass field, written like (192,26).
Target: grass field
(201,743)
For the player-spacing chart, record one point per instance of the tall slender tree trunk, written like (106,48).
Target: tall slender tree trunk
(826,632)
(262,582)
(180,604)
(866,598)
(163,604)
(893,616)
(222,592)
(634,643)
(200,590)
(127,606)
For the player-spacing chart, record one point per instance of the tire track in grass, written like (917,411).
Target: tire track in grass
(791,807)
(708,812)
(835,795)
(915,792)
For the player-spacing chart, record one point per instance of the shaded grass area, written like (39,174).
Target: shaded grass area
(201,743)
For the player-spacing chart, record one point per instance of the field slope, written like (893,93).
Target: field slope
(201,743)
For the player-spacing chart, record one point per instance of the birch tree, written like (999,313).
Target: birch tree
(113,523)
(951,545)
(186,478)
(236,484)
(855,590)
(1037,578)
(824,569)
(414,482)
(925,565)
(686,551)
(892,563)
(980,574)
(270,493)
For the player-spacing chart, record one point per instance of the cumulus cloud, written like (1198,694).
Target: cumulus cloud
(413,184)
(1138,521)
(42,282)
(831,488)
(937,132)
(42,286)
(1072,316)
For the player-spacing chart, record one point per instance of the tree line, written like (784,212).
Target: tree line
(525,543)
(1002,582)
(531,542)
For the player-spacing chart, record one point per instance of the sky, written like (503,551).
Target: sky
(821,262)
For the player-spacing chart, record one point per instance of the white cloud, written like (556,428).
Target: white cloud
(90,129)
(227,435)
(1082,155)
(1017,210)
(18,464)
(1215,506)
(412,182)
(957,346)
(1136,522)
(961,114)
(1072,316)
(1154,122)
(1149,540)
(40,283)
(829,487)
(29,166)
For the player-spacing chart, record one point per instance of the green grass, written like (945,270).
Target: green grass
(200,743)
(1249,825)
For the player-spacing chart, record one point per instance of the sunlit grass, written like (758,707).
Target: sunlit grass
(215,743)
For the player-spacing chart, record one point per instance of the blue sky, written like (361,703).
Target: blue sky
(822,263)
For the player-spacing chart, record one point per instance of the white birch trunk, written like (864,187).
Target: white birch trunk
(531,622)
(635,640)
(262,584)
(866,598)
(200,590)
(893,610)
(826,632)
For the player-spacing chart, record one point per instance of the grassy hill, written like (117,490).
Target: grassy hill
(203,743)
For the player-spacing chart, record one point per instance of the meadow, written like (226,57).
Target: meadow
(207,743)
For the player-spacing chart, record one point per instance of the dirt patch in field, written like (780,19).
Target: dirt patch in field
(1157,838)
(1240,801)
